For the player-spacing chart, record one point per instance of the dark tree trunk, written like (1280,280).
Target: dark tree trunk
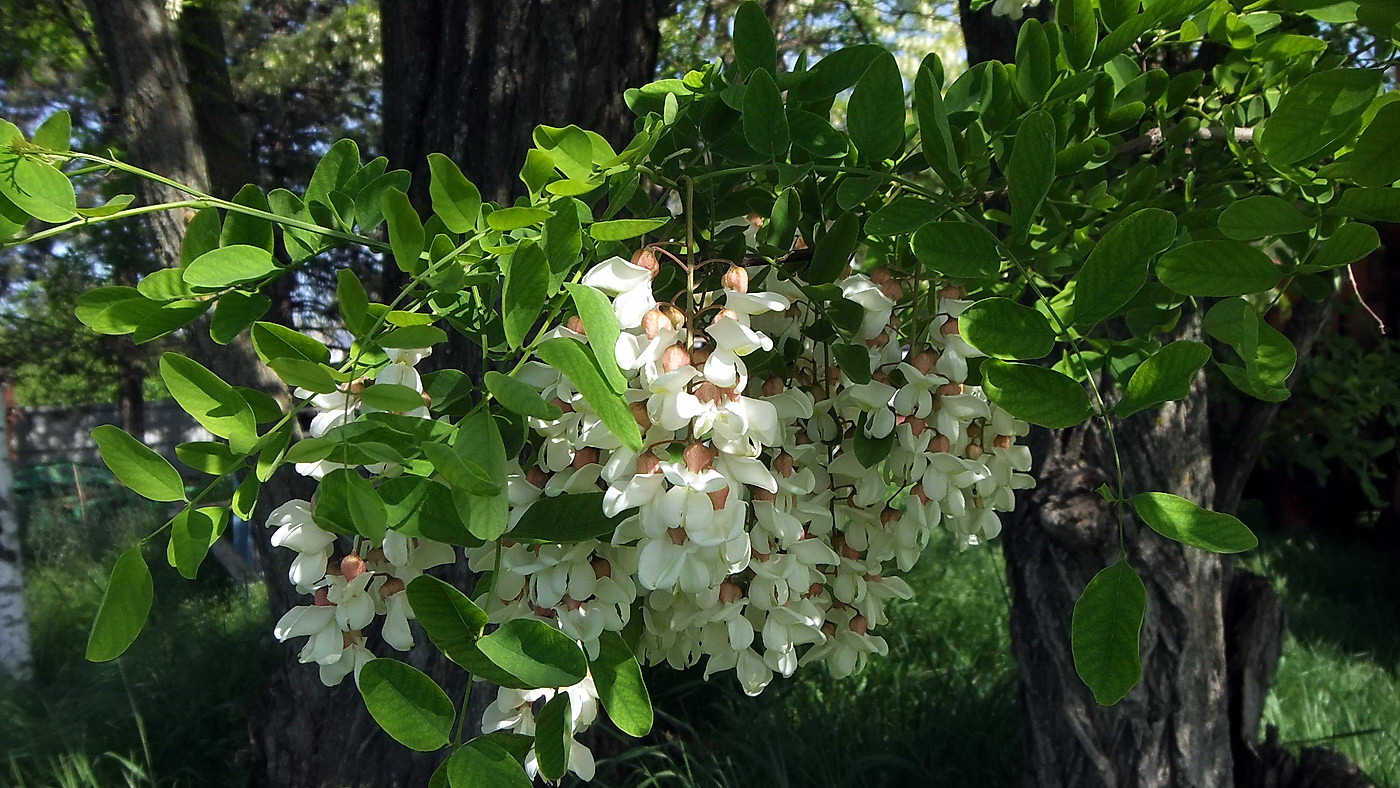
(470,80)
(1173,729)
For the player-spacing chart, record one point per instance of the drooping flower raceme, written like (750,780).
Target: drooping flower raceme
(789,474)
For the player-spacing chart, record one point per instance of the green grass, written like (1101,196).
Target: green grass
(173,711)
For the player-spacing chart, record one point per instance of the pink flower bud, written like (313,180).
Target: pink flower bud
(674,357)
(646,258)
(729,592)
(639,412)
(648,463)
(719,498)
(859,625)
(924,361)
(736,278)
(322,598)
(677,535)
(391,586)
(351,566)
(653,322)
(949,327)
(698,457)
(585,456)
(576,325)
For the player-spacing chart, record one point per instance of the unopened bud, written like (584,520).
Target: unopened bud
(700,356)
(829,629)
(571,603)
(918,492)
(648,463)
(916,425)
(890,515)
(772,387)
(639,413)
(719,498)
(709,392)
(391,586)
(881,275)
(322,598)
(892,290)
(760,494)
(646,258)
(953,292)
(940,443)
(674,357)
(576,325)
(736,278)
(676,316)
(949,327)
(814,589)
(698,457)
(562,405)
(544,612)
(784,464)
(427,400)
(1002,441)
(924,361)
(677,535)
(585,456)
(602,568)
(375,556)
(950,389)
(348,639)
(653,322)
(974,451)
(351,566)
(537,477)
(850,552)
(357,385)
(859,625)
(878,341)
(728,592)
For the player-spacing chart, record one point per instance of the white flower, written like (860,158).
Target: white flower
(629,284)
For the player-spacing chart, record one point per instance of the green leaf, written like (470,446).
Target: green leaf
(901,215)
(1260,216)
(965,250)
(482,763)
(565,519)
(391,397)
(1316,115)
(601,326)
(56,132)
(353,301)
(535,653)
(1035,65)
(230,265)
(209,457)
(1117,267)
(413,336)
(406,236)
(301,373)
(854,361)
(576,363)
(833,251)
(456,200)
(934,132)
(114,310)
(168,318)
(1079,31)
(1370,205)
(1165,375)
(201,235)
(245,497)
(526,287)
(212,402)
(338,165)
(36,188)
(479,439)
(507,219)
(875,114)
(554,736)
(1217,268)
(1351,242)
(1036,394)
(125,605)
(621,689)
(271,340)
(1030,170)
(346,503)
(192,533)
(459,472)
(562,242)
(407,704)
(520,397)
(235,311)
(139,468)
(166,284)
(623,229)
(1183,521)
(1104,634)
(755,45)
(765,125)
(245,229)
(453,622)
(1003,328)
(1375,160)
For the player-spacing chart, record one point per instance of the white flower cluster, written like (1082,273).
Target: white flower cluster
(349,593)
(768,515)
(759,539)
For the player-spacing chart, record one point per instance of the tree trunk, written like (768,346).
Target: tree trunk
(470,80)
(1173,729)
(15,657)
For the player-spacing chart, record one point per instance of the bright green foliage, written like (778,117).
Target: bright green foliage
(1057,193)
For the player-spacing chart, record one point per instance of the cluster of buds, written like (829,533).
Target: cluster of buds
(773,508)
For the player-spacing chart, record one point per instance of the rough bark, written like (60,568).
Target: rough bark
(1173,728)
(15,656)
